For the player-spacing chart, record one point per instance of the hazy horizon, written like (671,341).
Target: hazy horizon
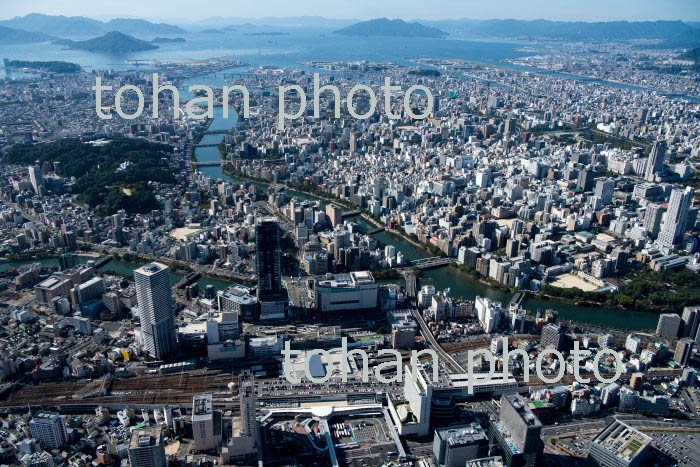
(177,11)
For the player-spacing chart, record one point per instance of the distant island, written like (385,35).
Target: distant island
(112,42)
(272,33)
(166,40)
(391,28)
(212,31)
(52,67)
(9,36)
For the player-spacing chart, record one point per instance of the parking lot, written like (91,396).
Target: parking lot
(677,448)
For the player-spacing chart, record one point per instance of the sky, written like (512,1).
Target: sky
(185,11)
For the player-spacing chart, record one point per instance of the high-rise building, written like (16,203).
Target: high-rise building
(620,445)
(156,309)
(684,348)
(146,448)
(585,180)
(418,392)
(691,320)
(49,429)
(604,191)
(36,178)
(669,324)
(206,423)
(655,162)
(516,435)
(335,214)
(652,219)
(268,266)
(674,223)
(246,394)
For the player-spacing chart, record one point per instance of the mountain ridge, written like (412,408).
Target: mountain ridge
(80,26)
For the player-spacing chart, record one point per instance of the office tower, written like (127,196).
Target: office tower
(146,448)
(684,349)
(676,217)
(36,179)
(585,180)
(49,429)
(205,433)
(691,320)
(156,309)
(652,219)
(516,436)
(512,248)
(246,394)
(669,324)
(655,162)
(335,214)
(268,264)
(604,190)
(455,445)
(620,445)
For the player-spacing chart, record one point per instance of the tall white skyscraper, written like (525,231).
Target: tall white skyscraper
(676,216)
(156,309)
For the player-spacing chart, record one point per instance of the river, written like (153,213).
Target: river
(460,284)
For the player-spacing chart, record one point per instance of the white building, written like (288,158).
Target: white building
(488,312)
(353,291)
(204,433)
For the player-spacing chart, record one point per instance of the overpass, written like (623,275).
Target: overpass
(433,344)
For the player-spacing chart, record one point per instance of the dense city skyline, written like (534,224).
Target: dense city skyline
(350,244)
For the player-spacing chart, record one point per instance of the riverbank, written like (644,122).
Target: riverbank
(460,285)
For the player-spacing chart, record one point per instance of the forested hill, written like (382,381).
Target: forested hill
(96,167)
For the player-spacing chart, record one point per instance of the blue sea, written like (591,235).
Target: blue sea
(297,45)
